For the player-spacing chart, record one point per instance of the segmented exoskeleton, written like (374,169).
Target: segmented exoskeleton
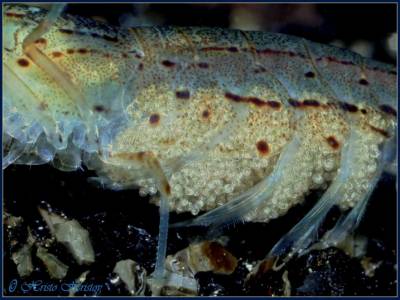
(239,124)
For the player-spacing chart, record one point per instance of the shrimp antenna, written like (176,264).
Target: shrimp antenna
(45,25)
(45,63)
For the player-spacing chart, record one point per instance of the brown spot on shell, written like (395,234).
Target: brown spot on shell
(183,94)
(363,81)
(70,51)
(154,119)
(309,74)
(57,54)
(15,15)
(331,140)
(83,51)
(388,109)
(23,62)
(99,108)
(168,63)
(205,114)
(262,147)
(141,155)
(233,49)
(222,260)
(348,107)
(42,41)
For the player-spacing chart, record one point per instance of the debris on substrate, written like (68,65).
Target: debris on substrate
(72,235)
(130,274)
(123,226)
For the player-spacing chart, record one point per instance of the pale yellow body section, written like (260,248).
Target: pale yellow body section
(236,164)
(216,108)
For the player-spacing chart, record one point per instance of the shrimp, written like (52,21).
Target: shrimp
(240,125)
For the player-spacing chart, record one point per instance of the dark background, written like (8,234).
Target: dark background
(122,225)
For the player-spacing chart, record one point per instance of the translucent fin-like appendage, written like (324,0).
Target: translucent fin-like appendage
(305,232)
(68,160)
(347,224)
(247,202)
(15,114)
(15,151)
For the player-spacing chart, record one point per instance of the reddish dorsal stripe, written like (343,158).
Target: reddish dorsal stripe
(313,103)
(253,100)
(269,51)
(15,15)
(213,49)
(380,131)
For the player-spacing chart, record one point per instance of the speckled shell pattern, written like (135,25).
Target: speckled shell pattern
(234,99)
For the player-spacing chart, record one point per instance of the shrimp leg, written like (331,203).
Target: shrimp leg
(45,63)
(150,163)
(299,238)
(45,25)
(347,224)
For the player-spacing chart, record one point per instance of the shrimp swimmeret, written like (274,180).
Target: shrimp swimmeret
(237,125)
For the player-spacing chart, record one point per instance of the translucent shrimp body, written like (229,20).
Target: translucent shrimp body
(246,123)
